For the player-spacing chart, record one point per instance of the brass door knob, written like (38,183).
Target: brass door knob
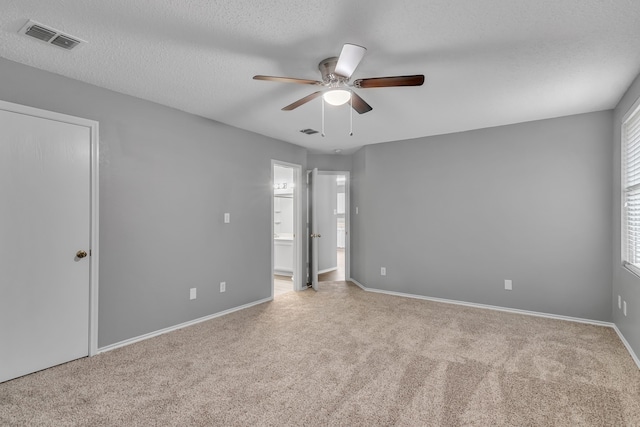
(81,254)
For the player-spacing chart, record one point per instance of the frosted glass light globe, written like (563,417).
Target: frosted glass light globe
(337,96)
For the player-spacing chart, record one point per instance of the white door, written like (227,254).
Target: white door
(45,220)
(314,235)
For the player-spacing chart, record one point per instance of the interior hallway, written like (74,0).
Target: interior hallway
(282,285)
(335,275)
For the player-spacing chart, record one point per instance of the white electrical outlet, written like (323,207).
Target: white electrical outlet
(223,286)
(192,293)
(227,218)
(508,285)
(619,302)
(624,308)
(356,210)
(383,271)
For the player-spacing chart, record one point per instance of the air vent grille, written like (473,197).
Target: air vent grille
(65,42)
(309,131)
(40,33)
(50,35)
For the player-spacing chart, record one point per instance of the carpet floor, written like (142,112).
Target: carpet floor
(344,357)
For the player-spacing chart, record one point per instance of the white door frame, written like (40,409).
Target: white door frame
(297,225)
(347,219)
(92,125)
(314,244)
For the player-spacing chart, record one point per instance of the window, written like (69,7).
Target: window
(631,191)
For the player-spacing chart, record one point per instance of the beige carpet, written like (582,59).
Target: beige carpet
(342,356)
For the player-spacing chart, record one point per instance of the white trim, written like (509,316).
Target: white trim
(631,268)
(510,310)
(488,307)
(347,220)
(624,248)
(94,185)
(95,245)
(631,110)
(399,294)
(358,284)
(627,345)
(347,224)
(180,326)
(326,270)
(282,272)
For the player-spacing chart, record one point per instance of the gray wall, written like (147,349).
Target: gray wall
(166,178)
(453,216)
(329,162)
(625,284)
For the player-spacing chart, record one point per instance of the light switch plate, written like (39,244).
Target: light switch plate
(227,218)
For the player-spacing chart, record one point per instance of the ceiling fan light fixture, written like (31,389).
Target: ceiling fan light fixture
(337,96)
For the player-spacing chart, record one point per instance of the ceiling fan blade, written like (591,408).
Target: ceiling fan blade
(302,101)
(287,80)
(349,59)
(416,80)
(359,104)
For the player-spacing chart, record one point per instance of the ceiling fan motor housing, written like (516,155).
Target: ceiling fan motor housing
(327,68)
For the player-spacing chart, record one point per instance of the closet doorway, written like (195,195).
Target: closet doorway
(285,244)
(330,203)
(49,229)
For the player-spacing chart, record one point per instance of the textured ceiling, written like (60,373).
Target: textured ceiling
(487,63)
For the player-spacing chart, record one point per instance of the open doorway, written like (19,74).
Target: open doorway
(285,222)
(330,205)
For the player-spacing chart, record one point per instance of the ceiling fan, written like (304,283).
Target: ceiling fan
(336,73)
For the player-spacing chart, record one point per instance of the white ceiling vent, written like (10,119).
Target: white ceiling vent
(50,35)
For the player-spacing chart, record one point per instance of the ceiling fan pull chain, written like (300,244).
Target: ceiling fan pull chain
(323,116)
(351,115)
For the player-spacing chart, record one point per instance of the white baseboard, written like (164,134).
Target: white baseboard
(326,270)
(486,306)
(509,310)
(358,284)
(380,291)
(179,326)
(282,272)
(627,345)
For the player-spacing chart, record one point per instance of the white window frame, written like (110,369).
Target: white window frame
(630,192)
